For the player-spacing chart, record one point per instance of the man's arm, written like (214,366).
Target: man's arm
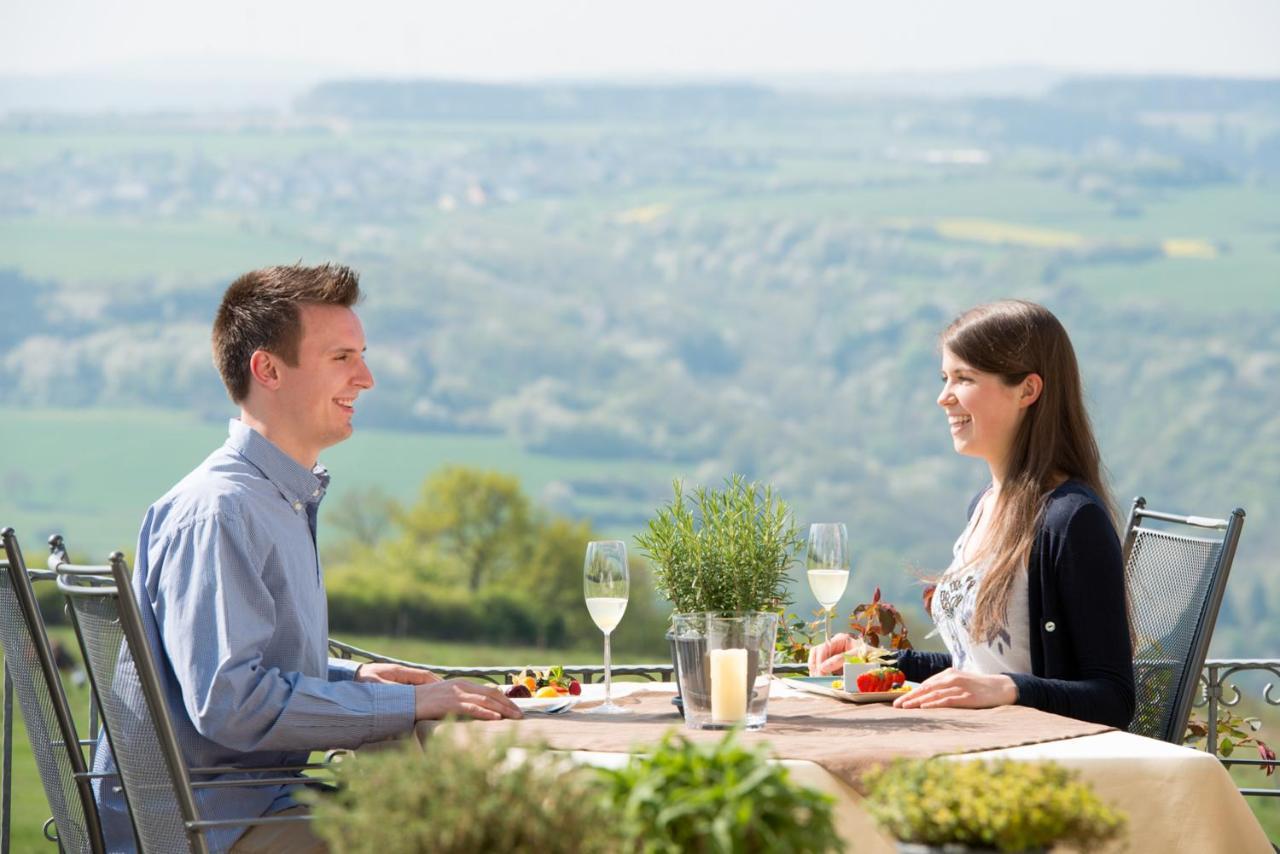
(215,616)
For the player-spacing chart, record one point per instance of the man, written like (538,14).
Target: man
(228,576)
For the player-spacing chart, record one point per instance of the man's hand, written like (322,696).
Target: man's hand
(957,689)
(456,697)
(828,657)
(376,671)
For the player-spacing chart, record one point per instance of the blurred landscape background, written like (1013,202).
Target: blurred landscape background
(595,288)
(605,248)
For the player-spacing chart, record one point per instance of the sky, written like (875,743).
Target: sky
(541,39)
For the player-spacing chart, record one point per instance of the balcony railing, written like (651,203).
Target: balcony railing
(1214,685)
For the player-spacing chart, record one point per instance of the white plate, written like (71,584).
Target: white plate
(542,704)
(822,685)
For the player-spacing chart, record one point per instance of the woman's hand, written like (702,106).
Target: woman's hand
(957,689)
(828,657)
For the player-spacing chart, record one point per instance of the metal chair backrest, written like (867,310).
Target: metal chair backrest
(127,686)
(1176,570)
(51,727)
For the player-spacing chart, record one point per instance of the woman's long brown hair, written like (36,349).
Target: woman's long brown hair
(1015,338)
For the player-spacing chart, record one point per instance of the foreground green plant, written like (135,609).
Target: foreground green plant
(1005,805)
(458,796)
(722,798)
(725,550)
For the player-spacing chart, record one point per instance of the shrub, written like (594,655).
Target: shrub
(460,795)
(722,798)
(1005,805)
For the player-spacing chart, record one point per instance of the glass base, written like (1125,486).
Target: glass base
(751,724)
(608,708)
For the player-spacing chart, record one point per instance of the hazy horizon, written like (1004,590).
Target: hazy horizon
(577,39)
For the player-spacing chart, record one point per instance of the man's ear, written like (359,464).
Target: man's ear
(1029,393)
(264,369)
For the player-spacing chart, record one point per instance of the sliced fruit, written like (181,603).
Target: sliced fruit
(518,691)
(547,691)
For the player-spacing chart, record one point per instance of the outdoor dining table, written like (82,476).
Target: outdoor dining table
(1175,798)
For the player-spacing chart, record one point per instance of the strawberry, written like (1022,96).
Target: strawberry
(575,688)
(880,679)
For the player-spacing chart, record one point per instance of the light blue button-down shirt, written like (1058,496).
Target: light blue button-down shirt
(229,584)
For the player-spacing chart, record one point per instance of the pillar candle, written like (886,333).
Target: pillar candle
(728,686)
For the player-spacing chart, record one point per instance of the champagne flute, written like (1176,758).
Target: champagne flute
(605,585)
(828,565)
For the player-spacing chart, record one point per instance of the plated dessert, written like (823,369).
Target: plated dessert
(872,686)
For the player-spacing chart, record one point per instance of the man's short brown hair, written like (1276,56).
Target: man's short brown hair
(260,311)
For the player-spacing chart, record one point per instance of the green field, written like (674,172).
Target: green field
(91,474)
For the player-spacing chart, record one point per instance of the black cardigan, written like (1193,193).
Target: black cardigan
(1081,657)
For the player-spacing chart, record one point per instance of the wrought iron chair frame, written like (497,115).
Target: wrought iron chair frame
(20,578)
(1184,693)
(113,581)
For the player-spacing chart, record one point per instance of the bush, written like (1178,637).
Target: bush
(459,795)
(1005,805)
(718,798)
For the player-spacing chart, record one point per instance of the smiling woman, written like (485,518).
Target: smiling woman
(1032,607)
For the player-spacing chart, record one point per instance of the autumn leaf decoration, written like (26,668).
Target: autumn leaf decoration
(879,624)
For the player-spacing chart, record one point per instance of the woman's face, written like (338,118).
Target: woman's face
(982,411)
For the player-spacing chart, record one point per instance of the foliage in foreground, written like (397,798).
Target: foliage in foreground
(464,793)
(1005,805)
(721,798)
(460,795)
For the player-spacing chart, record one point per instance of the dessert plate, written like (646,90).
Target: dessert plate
(822,685)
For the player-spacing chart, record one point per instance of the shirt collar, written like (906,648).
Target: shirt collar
(295,482)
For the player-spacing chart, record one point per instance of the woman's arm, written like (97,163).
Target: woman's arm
(918,665)
(1093,623)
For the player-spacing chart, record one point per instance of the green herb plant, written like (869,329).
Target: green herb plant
(1004,805)
(458,796)
(721,797)
(722,550)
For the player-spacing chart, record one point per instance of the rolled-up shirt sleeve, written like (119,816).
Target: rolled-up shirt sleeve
(216,615)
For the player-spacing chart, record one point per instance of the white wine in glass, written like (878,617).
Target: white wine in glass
(828,565)
(605,584)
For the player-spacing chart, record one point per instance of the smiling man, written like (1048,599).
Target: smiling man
(228,577)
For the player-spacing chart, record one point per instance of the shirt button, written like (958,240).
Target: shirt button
(1049,626)
(297,505)
(315,494)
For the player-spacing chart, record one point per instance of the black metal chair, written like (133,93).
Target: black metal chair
(1176,570)
(158,786)
(51,729)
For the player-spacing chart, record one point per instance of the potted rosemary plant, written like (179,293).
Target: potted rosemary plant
(722,557)
(962,806)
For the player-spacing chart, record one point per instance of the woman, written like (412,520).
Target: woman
(1032,608)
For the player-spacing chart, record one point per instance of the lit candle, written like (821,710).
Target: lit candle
(728,686)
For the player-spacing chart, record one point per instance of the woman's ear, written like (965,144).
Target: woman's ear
(1030,390)
(263,369)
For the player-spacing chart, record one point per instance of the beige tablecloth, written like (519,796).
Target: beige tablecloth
(1176,799)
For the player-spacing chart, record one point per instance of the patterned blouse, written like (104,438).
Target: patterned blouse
(953,607)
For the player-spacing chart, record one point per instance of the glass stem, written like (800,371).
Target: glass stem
(828,624)
(608,679)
